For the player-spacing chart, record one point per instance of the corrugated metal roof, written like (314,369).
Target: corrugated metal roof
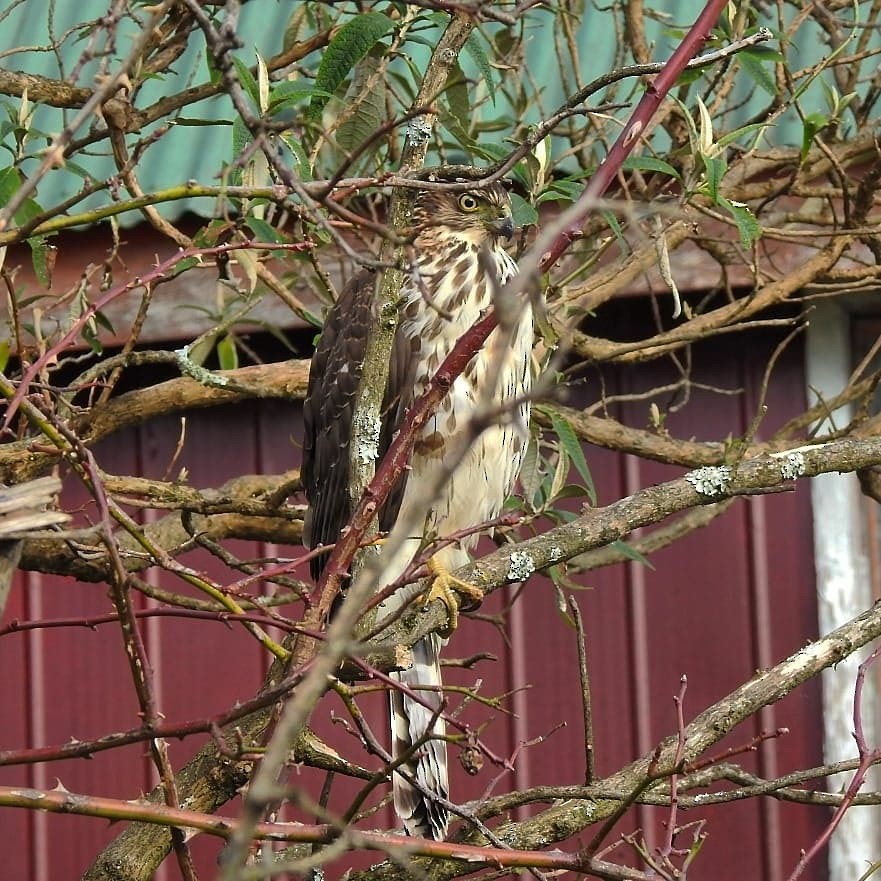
(198,153)
(185,152)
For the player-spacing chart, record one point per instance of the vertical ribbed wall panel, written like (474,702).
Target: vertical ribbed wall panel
(720,603)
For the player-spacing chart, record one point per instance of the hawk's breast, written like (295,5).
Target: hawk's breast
(446,296)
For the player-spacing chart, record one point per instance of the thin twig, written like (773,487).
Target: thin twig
(587,713)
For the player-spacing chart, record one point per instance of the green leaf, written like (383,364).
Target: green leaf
(649,163)
(747,226)
(615,225)
(420,40)
(263,231)
(764,53)
(246,78)
(183,265)
(320,234)
(475,50)
(552,195)
(366,99)
(716,167)
(189,121)
(241,137)
(104,321)
(570,491)
(531,473)
(313,319)
(227,355)
(299,153)
(725,140)
(78,169)
(4,354)
(754,68)
(569,442)
(287,94)
(461,137)
(40,260)
(91,339)
(214,74)
(353,41)
(689,75)
(524,213)
(560,191)
(813,123)
(293,26)
(457,98)
(631,553)
(10,181)
(28,210)
(495,153)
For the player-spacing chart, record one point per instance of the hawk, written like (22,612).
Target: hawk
(459,260)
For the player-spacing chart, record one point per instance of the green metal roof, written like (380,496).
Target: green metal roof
(186,152)
(197,153)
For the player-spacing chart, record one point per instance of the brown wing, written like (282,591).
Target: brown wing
(328,410)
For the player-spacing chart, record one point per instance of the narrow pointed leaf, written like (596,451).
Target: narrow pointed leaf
(42,260)
(569,441)
(631,553)
(561,472)
(530,473)
(757,71)
(353,41)
(649,163)
(457,97)
(246,78)
(716,168)
(366,97)
(474,48)
(227,355)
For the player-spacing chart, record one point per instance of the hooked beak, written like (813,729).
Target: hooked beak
(502,226)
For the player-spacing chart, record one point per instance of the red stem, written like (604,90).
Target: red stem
(636,126)
(666,850)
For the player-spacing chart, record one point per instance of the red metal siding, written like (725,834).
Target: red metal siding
(726,600)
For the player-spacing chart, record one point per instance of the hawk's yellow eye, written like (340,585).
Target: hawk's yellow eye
(467,202)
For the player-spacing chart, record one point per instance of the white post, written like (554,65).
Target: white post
(843,590)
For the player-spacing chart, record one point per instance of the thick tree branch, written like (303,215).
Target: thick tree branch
(287,380)
(84,558)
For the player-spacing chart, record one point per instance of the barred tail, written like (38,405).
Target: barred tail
(410,720)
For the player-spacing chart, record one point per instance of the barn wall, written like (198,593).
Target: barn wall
(724,601)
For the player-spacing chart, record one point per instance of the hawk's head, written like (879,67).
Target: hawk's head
(476,216)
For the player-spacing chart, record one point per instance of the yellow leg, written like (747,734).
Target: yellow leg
(445,587)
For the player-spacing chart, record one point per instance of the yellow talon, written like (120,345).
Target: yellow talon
(444,587)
